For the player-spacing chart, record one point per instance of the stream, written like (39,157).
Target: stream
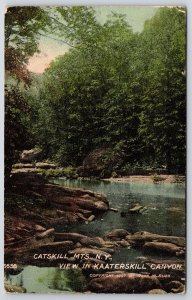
(164,214)
(165,203)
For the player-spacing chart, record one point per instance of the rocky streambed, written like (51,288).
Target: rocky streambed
(93,257)
(33,236)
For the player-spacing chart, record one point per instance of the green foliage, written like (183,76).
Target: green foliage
(79,284)
(68,280)
(114,88)
(20,166)
(162,118)
(21,41)
(91,90)
(16,133)
(68,172)
(22,23)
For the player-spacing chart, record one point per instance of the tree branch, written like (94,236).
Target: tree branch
(64,42)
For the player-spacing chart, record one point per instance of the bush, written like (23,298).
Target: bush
(68,172)
(20,166)
(157,178)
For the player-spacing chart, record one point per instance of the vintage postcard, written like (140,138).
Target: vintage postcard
(95,149)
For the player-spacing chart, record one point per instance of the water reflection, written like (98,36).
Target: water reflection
(49,280)
(165,202)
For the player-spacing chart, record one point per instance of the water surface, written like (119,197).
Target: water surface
(164,202)
(164,214)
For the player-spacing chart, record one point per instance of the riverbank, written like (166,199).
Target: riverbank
(73,222)
(149,179)
(32,205)
(48,171)
(72,174)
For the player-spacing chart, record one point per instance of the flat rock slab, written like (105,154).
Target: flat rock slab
(117,233)
(115,282)
(144,236)
(168,248)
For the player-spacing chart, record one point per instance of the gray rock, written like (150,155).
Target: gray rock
(117,234)
(96,163)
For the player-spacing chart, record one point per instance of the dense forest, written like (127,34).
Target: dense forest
(115,89)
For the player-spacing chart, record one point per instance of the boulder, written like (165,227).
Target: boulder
(94,241)
(101,206)
(108,250)
(137,208)
(116,282)
(124,243)
(40,228)
(143,236)
(96,163)
(167,248)
(14,288)
(117,234)
(28,156)
(91,218)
